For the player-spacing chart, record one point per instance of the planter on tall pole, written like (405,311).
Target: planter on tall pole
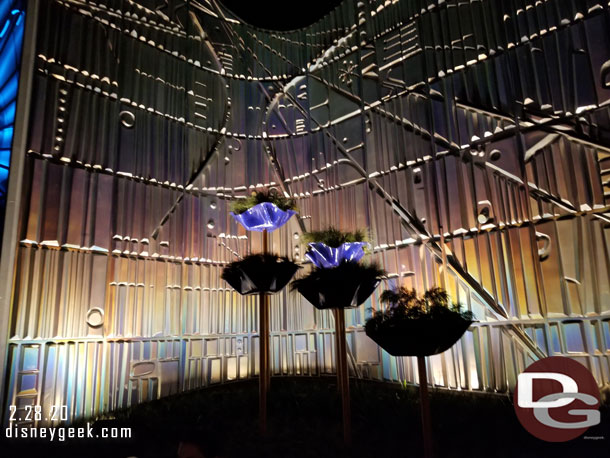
(337,284)
(419,326)
(262,274)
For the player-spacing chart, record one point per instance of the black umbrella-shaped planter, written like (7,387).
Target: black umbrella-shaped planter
(418,326)
(259,273)
(423,336)
(345,286)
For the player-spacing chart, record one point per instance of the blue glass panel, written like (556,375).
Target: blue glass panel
(9,65)
(541,339)
(555,338)
(3,180)
(591,331)
(5,157)
(574,340)
(6,137)
(606,331)
(5,28)
(9,90)
(28,383)
(5,11)
(7,115)
(30,358)
(11,36)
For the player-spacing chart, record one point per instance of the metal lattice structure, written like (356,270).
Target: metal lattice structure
(471,137)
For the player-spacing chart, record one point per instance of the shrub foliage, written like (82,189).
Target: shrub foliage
(272,195)
(334,238)
(405,306)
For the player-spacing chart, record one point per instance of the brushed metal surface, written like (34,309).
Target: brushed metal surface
(470,137)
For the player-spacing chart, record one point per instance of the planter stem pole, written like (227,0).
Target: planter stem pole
(343,374)
(424,406)
(263,375)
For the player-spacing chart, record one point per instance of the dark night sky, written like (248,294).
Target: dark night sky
(280,14)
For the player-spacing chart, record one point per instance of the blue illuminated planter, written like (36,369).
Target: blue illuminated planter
(327,257)
(263,216)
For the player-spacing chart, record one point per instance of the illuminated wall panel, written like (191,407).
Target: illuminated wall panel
(12,14)
(472,138)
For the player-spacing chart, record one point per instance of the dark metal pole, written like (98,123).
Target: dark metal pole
(339,366)
(343,375)
(424,406)
(263,376)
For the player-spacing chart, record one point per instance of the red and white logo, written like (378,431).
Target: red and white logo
(557,399)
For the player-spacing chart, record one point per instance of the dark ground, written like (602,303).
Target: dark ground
(305,423)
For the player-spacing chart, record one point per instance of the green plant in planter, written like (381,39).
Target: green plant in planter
(239,206)
(334,238)
(406,304)
(415,325)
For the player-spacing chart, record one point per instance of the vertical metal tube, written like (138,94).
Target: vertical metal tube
(343,375)
(267,317)
(424,406)
(338,366)
(444,259)
(15,194)
(268,338)
(263,375)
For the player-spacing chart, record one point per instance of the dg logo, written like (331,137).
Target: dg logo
(557,399)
